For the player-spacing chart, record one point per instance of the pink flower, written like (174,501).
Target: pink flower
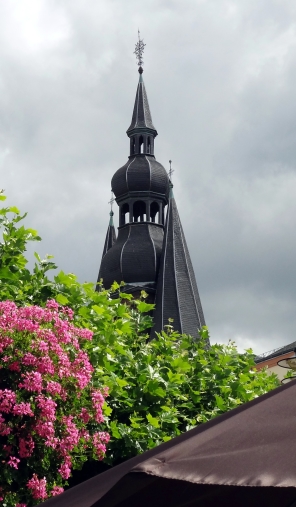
(51,304)
(13,462)
(42,346)
(29,360)
(5,342)
(15,366)
(4,429)
(71,436)
(84,415)
(45,429)
(47,407)
(52,442)
(22,409)
(38,487)
(85,435)
(67,312)
(56,490)
(99,440)
(26,447)
(98,401)
(53,388)
(85,334)
(32,381)
(45,365)
(65,468)
(105,391)
(7,400)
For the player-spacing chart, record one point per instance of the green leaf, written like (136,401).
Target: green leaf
(5,273)
(63,300)
(107,410)
(145,307)
(33,232)
(37,256)
(14,209)
(121,382)
(84,312)
(181,364)
(159,392)
(124,328)
(114,430)
(153,421)
(220,402)
(99,309)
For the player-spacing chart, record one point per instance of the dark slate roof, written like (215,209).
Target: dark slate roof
(140,173)
(110,236)
(141,115)
(176,292)
(275,352)
(134,258)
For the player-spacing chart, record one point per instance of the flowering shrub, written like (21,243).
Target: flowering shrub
(158,389)
(50,410)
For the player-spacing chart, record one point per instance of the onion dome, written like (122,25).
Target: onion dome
(141,174)
(134,257)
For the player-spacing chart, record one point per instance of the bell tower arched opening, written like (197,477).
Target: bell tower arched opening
(139,211)
(154,212)
(123,212)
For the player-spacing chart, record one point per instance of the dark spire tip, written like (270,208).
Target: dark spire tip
(140,70)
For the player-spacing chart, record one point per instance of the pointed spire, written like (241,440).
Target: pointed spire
(177,295)
(141,115)
(110,236)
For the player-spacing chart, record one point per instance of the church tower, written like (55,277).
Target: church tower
(150,252)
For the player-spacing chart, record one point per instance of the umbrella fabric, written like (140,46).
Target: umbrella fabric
(244,457)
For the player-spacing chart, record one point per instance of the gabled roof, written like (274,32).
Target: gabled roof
(110,236)
(141,115)
(176,292)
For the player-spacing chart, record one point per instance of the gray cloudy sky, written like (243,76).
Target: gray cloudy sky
(220,77)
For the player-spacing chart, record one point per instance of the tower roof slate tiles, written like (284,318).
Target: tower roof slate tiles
(150,252)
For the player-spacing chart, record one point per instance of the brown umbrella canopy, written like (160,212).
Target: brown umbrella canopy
(246,457)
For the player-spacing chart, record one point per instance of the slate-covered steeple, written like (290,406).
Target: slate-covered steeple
(141,130)
(150,252)
(110,236)
(177,295)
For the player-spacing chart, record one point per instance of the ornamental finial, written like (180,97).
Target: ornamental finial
(139,50)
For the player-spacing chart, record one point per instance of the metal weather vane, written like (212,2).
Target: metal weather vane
(139,50)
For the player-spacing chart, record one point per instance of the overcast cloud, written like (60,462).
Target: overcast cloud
(220,77)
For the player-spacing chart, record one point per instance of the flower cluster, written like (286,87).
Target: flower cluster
(50,413)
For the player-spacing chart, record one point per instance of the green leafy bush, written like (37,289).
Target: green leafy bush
(158,388)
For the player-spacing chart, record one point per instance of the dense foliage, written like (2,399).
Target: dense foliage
(157,388)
